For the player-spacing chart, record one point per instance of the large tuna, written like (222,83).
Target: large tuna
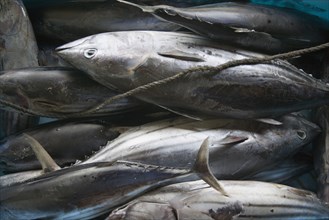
(126,60)
(163,142)
(87,191)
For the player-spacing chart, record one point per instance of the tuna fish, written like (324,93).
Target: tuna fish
(161,143)
(87,191)
(248,25)
(18,49)
(57,92)
(247,91)
(248,200)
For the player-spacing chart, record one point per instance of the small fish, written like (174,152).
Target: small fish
(162,142)
(87,191)
(245,91)
(247,25)
(65,141)
(58,92)
(248,200)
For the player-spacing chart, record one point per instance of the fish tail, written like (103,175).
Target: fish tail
(202,169)
(46,161)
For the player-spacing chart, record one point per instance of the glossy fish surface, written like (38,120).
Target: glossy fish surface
(162,142)
(87,191)
(246,91)
(58,92)
(66,142)
(247,25)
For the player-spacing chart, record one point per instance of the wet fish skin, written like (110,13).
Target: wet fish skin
(248,25)
(321,153)
(162,142)
(58,92)
(16,40)
(237,92)
(104,186)
(286,170)
(69,22)
(19,177)
(65,141)
(16,37)
(248,200)
(101,183)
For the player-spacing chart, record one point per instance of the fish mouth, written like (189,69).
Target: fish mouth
(71,45)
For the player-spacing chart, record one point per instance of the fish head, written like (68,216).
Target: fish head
(306,131)
(110,56)
(295,133)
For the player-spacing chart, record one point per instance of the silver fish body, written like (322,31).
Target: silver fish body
(247,200)
(286,170)
(248,25)
(83,191)
(247,91)
(18,49)
(58,92)
(89,190)
(19,177)
(163,142)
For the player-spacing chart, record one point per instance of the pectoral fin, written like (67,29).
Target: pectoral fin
(47,163)
(180,55)
(269,121)
(231,139)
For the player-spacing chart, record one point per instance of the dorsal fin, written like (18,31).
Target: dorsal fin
(180,55)
(47,163)
(201,167)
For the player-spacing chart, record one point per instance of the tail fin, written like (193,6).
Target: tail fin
(47,163)
(201,167)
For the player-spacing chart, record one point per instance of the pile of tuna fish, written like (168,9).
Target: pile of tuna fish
(249,141)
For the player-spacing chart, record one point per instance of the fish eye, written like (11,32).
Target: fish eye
(89,53)
(301,134)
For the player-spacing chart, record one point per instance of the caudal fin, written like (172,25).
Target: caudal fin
(47,163)
(201,168)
